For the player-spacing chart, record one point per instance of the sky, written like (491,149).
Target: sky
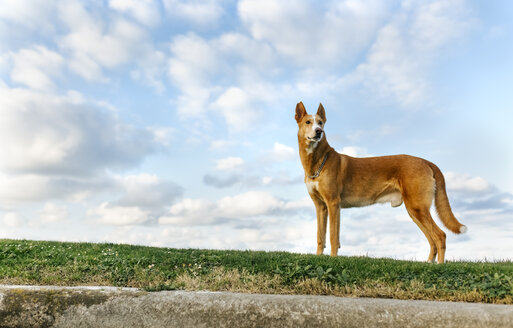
(171,123)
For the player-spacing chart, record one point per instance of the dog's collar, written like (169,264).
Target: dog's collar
(320,168)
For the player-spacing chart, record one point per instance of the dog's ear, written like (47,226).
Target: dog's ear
(321,112)
(300,111)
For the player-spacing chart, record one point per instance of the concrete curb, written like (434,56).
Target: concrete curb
(22,306)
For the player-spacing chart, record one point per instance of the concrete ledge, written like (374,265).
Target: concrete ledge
(111,307)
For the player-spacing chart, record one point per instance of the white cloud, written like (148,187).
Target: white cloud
(137,199)
(147,191)
(144,11)
(191,212)
(436,23)
(236,171)
(477,198)
(90,46)
(293,28)
(46,134)
(229,163)
(277,235)
(251,203)
(21,188)
(392,70)
(5,65)
(222,76)
(31,14)
(248,180)
(52,213)
(150,70)
(239,207)
(465,183)
(354,151)
(405,48)
(13,220)
(282,179)
(64,148)
(142,199)
(507,200)
(204,12)
(90,37)
(193,63)
(281,152)
(16,189)
(118,215)
(94,44)
(235,104)
(224,145)
(35,67)
(237,47)
(162,135)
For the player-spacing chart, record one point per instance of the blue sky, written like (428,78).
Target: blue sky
(171,123)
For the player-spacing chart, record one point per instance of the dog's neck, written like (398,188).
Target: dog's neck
(312,154)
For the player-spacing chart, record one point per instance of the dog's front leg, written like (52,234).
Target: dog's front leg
(334,214)
(322,221)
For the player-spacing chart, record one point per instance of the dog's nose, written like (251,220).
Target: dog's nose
(318,131)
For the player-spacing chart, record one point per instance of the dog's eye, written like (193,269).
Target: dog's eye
(320,122)
(308,122)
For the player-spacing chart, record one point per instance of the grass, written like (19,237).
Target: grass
(150,268)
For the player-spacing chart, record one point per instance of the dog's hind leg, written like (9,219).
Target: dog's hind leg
(435,236)
(432,252)
(418,194)
(322,222)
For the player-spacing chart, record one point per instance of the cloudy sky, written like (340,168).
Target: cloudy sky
(171,123)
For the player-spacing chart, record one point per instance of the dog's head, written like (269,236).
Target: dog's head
(311,127)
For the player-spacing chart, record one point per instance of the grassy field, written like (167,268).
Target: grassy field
(56,263)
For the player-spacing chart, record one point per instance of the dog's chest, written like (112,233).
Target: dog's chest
(312,186)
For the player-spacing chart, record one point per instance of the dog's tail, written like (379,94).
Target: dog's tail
(443,208)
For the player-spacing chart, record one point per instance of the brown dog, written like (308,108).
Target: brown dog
(337,181)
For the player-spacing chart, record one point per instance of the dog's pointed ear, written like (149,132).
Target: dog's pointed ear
(300,111)
(321,112)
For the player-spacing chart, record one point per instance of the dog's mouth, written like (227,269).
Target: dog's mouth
(317,137)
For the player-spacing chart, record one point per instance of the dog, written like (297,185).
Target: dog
(336,181)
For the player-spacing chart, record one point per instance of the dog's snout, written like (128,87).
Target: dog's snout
(318,131)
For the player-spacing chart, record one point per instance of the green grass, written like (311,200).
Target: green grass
(56,263)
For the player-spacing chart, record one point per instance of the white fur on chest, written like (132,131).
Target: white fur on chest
(312,186)
(311,147)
